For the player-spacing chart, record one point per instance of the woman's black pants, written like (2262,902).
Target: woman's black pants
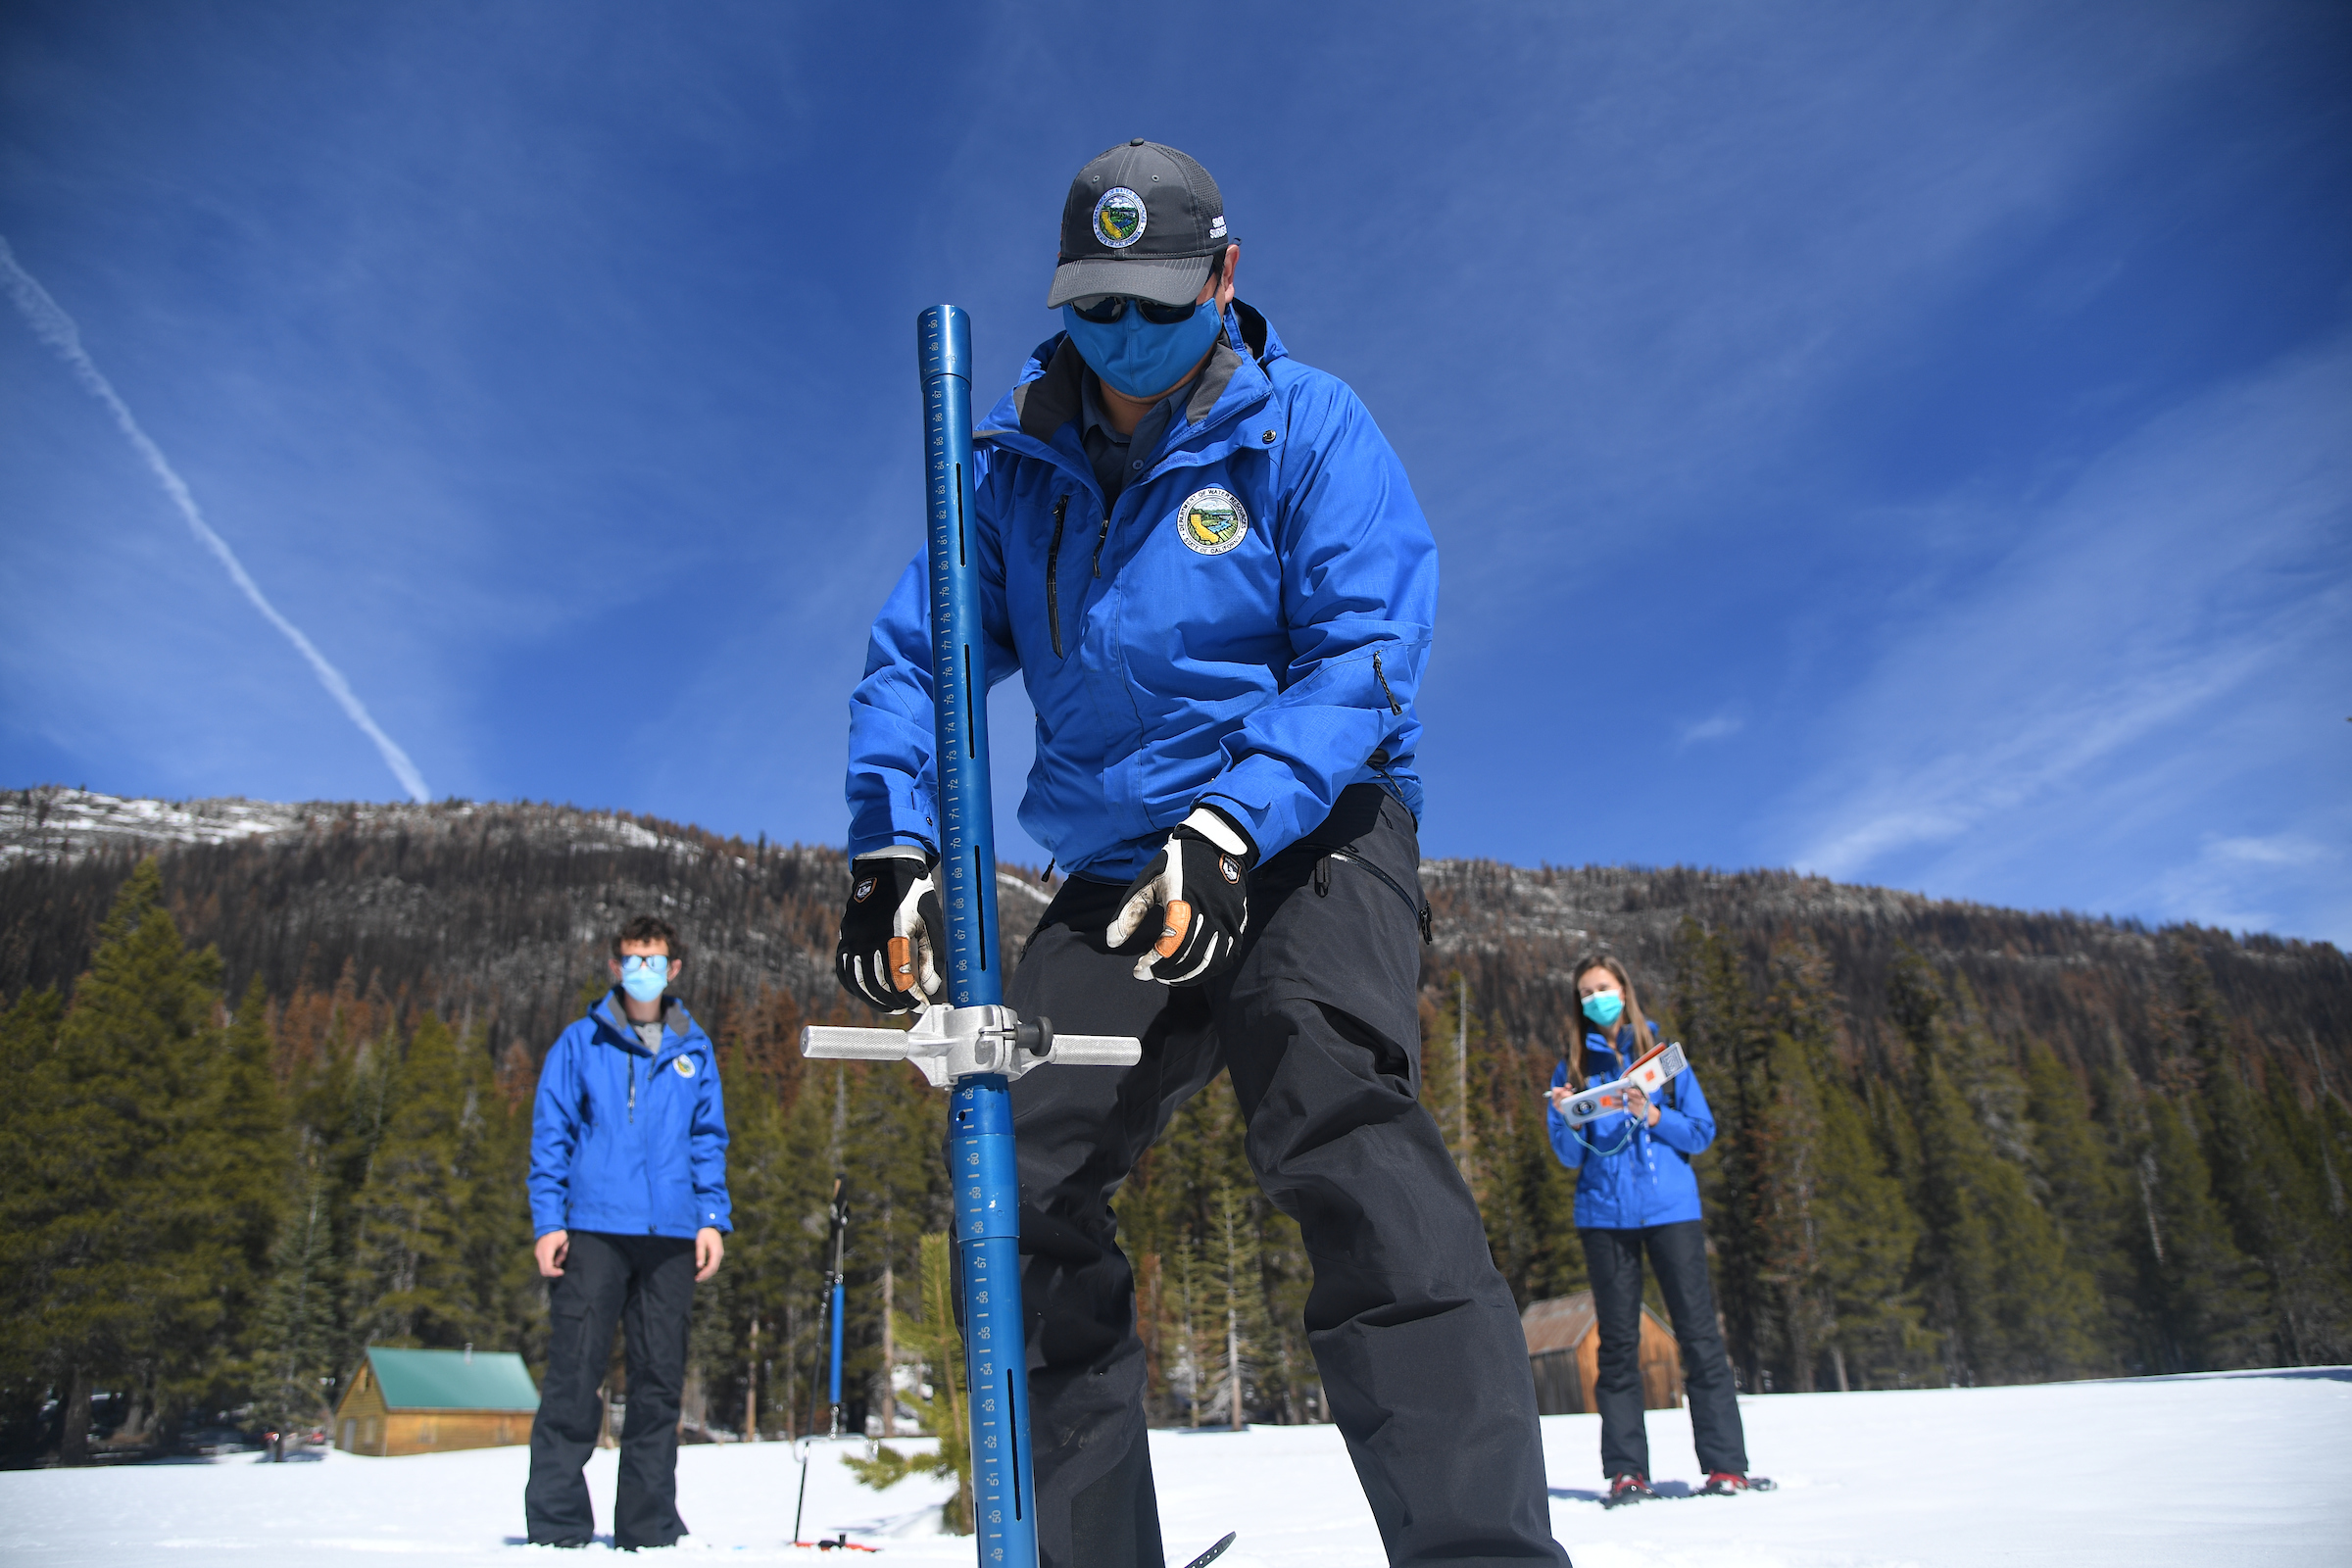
(1422,1358)
(1678,1252)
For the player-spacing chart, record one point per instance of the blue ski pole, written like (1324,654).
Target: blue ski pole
(972,1045)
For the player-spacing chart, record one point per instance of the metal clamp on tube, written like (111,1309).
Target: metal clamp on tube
(972,1044)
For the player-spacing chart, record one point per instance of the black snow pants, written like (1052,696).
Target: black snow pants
(1422,1358)
(1678,1252)
(646,1283)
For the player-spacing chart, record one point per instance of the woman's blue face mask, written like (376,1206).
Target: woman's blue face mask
(1140,357)
(1604,1007)
(645,977)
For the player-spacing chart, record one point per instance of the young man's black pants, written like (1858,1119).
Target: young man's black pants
(1678,1252)
(1419,1345)
(646,1283)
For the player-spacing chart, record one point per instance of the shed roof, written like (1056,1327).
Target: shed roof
(452,1380)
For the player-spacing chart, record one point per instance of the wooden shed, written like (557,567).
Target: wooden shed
(424,1402)
(1563,1347)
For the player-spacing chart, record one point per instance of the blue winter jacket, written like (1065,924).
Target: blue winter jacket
(1632,1182)
(1248,625)
(625,1142)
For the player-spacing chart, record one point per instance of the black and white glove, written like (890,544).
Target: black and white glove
(1197,891)
(890,946)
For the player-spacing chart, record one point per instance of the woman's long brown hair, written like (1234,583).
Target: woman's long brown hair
(1633,1012)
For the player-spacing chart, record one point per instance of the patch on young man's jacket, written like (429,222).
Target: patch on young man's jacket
(1212,521)
(685,1066)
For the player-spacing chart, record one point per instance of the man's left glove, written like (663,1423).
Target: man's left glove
(891,930)
(1199,883)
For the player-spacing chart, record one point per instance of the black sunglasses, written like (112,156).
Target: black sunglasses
(1105,309)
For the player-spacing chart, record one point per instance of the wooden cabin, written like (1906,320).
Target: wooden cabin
(427,1402)
(1563,1347)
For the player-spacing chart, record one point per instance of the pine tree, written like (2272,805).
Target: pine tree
(2274,1204)
(239,1151)
(1238,1310)
(1730,1049)
(110,1228)
(936,1345)
(296,1333)
(1991,1267)
(406,1279)
(2084,1189)
(2199,1298)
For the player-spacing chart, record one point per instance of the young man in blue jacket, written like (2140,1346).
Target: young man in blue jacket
(1208,567)
(629,1200)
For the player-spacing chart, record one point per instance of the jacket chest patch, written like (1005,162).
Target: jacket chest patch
(1212,521)
(685,1066)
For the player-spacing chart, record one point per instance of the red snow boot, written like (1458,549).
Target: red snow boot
(1628,1488)
(1726,1482)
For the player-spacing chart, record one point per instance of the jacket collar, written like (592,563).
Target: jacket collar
(1049,396)
(677,1023)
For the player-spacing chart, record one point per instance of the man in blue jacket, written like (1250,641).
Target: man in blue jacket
(629,1202)
(1208,567)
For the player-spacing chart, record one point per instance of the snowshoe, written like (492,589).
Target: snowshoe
(1628,1488)
(1730,1482)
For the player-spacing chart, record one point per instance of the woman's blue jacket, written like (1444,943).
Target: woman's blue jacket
(628,1142)
(1632,1182)
(1246,624)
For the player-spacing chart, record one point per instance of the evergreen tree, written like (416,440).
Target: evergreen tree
(1991,1267)
(1730,1049)
(934,1342)
(2274,1204)
(239,1151)
(113,1236)
(1239,1311)
(2199,1298)
(297,1330)
(2084,1189)
(407,1279)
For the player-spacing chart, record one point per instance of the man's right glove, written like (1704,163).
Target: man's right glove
(1200,882)
(890,949)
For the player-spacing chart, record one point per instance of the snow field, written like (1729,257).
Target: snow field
(2210,1471)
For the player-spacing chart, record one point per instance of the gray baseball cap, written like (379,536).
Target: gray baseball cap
(1142,219)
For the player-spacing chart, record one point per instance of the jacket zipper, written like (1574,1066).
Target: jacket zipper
(1100,539)
(1052,558)
(1381,676)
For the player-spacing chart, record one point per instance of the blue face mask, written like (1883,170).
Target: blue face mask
(645,978)
(1604,1007)
(1141,360)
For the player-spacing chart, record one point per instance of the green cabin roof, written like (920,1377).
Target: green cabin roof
(452,1380)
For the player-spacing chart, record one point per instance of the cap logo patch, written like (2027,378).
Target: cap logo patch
(1216,229)
(1119,217)
(1212,521)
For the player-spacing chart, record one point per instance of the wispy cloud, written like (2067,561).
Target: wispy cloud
(1721,726)
(53,327)
(2187,579)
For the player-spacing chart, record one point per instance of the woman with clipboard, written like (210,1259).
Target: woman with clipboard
(1635,1194)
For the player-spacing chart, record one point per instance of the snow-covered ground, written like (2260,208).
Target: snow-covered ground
(2210,1471)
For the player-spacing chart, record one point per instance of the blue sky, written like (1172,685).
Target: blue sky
(1911,443)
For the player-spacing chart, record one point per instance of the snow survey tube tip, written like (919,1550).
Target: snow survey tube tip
(967,846)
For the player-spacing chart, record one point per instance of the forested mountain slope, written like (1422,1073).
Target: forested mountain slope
(1958,1144)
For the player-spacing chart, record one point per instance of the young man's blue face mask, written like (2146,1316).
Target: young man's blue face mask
(644,977)
(1142,358)
(1604,1007)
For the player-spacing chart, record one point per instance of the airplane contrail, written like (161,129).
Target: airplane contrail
(53,327)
